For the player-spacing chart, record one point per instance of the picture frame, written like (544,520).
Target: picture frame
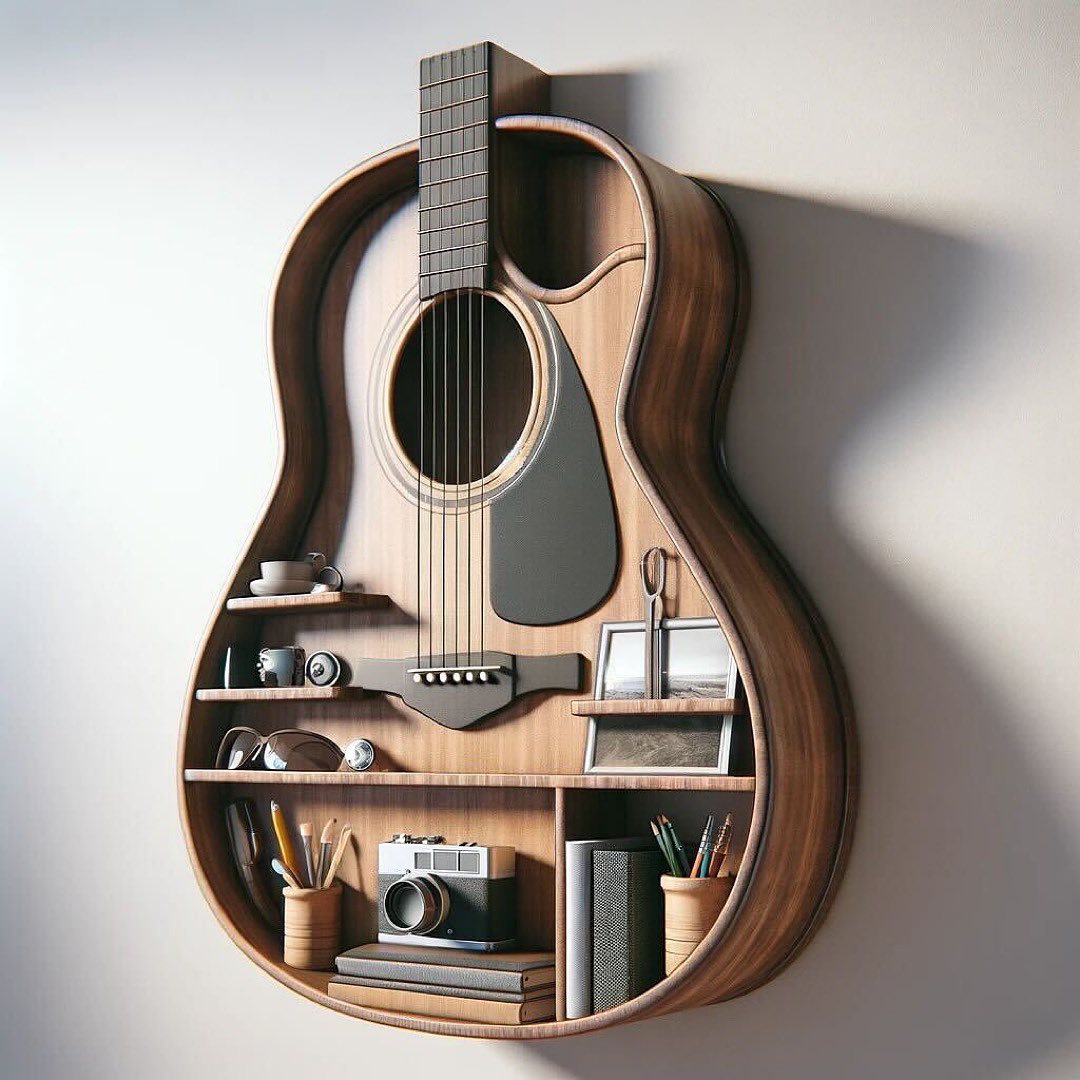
(696,662)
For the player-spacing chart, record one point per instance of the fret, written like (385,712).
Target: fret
(454,104)
(437,82)
(456,93)
(446,131)
(425,158)
(466,176)
(466,212)
(460,166)
(445,192)
(463,258)
(453,236)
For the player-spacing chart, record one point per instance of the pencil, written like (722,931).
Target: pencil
(706,841)
(719,849)
(676,845)
(281,831)
(662,842)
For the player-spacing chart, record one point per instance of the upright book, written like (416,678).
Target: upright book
(626,925)
(579,917)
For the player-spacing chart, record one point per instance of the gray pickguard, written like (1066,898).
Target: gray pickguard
(554,542)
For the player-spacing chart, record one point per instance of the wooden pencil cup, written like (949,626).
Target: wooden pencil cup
(691,907)
(312,927)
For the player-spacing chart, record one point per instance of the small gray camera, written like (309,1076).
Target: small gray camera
(460,896)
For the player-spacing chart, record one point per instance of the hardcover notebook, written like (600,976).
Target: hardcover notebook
(505,972)
(626,925)
(579,917)
(444,1006)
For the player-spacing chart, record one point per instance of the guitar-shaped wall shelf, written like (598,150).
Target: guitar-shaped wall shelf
(502,357)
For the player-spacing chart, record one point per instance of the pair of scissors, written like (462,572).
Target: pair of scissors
(653,576)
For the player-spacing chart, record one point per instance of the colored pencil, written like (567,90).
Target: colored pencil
(661,841)
(676,845)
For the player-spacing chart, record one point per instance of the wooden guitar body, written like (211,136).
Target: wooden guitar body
(636,274)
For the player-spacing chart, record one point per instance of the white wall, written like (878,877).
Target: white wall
(904,424)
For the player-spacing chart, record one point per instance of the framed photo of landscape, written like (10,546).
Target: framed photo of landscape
(696,662)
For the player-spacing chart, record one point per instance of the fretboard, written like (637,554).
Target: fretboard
(455,174)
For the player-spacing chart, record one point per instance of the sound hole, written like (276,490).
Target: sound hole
(450,442)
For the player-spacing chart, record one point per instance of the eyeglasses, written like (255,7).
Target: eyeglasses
(290,749)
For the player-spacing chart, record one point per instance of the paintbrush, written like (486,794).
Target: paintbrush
(307,839)
(335,862)
(326,846)
(279,868)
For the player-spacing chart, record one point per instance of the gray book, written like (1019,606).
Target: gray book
(626,925)
(447,991)
(508,972)
(579,917)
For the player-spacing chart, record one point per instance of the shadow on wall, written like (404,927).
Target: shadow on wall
(953,946)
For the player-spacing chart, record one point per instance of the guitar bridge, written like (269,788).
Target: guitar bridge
(455,694)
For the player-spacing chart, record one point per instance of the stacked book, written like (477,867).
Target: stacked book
(455,984)
(613,922)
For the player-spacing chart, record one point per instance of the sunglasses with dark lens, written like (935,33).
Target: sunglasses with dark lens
(290,749)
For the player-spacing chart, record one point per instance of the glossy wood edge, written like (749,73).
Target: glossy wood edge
(556,781)
(376,180)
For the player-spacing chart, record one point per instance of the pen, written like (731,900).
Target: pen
(719,849)
(706,842)
(281,831)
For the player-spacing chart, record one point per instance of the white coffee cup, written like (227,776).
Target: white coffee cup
(306,569)
(286,570)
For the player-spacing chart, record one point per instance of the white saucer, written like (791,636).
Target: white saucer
(284,587)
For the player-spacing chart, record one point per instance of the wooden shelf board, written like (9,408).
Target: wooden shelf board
(657,707)
(284,693)
(325,602)
(623,781)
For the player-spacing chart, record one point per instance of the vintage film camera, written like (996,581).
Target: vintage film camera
(455,895)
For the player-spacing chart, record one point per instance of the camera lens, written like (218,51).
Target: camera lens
(417,904)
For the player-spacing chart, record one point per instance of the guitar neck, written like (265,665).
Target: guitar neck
(461,94)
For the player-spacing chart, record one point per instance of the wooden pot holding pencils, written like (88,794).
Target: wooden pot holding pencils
(312,927)
(691,907)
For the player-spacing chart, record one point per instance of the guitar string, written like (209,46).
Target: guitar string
(483,475)
(457,479)
(431,498)
(468,495)
(419,500)
(446,431)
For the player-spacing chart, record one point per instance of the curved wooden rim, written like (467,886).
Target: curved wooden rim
(378,179)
